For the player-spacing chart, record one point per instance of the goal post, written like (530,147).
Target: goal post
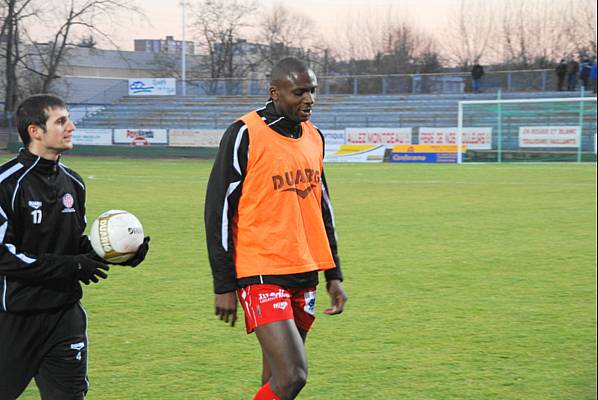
(542,129)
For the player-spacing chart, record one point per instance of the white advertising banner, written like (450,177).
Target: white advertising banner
(333,136)
(475,138)
(549,136)
(386,136)
(330,149)
(195,137)
(357,153)
(140,137)
(92,137)
(152,87)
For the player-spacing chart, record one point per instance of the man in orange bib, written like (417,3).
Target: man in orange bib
(270,228)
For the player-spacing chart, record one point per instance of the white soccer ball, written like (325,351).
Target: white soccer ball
(116,235)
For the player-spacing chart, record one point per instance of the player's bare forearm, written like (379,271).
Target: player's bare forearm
(338,297)
(226,307)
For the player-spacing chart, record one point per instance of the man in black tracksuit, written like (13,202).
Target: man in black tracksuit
(43,256)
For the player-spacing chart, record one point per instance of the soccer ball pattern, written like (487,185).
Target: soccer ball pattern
(116,235)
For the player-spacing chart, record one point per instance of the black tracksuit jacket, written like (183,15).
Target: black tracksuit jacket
(42,216)
(229,168)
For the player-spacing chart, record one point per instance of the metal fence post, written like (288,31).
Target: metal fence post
(499,127)
(509,82)
(544,80)
(581,111)
(11,133)
(355,85)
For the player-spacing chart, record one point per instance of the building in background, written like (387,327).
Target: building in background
(91,75)
(168,46)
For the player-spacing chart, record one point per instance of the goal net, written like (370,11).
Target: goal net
(520,130)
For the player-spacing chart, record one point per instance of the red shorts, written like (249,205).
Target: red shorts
(263,304)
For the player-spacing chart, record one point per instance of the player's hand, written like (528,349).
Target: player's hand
(140,255)
(338,297)
(226,307)
(88,269)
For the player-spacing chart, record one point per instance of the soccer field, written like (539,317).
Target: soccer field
(464,282)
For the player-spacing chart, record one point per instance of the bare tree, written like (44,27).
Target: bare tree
(390,43)
(218,24)
(411,49)
(467,39)
(285,33)
(75,16)
(520,33)
(363,39)
(579,17)
(537,33)
(169,65)
(40,62)
(14,12)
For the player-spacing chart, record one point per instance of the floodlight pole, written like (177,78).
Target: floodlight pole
(183,56)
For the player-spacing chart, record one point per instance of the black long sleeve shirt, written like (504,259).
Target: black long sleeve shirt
(222,199)
(42,217)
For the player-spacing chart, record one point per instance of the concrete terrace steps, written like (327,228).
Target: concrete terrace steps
(330,111)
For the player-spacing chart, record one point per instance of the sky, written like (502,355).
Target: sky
(164,17)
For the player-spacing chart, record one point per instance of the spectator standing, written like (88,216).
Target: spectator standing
(593,77)
(585,68)
(572,71)
(561,73)
(476,76)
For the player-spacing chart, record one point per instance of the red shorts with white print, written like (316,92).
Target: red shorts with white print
(263,304)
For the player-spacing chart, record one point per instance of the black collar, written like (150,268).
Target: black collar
(279,123)
(42,165)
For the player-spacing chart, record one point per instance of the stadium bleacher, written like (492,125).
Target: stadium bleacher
(330,112)
(363,111)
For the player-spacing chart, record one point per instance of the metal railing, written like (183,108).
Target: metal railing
(538,80)
(6,128)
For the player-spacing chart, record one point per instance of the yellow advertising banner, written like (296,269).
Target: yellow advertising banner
(354,148)
(357,153)
(427,148)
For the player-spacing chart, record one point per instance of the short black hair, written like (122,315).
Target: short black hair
(34,111)
(285,67)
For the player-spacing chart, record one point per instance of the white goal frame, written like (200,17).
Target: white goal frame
(498,101)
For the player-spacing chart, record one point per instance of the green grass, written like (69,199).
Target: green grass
(464,282)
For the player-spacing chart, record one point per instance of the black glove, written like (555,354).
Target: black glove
(139,256)
(88,269)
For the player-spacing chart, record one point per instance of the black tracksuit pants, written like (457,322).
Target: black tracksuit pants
(50,346)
